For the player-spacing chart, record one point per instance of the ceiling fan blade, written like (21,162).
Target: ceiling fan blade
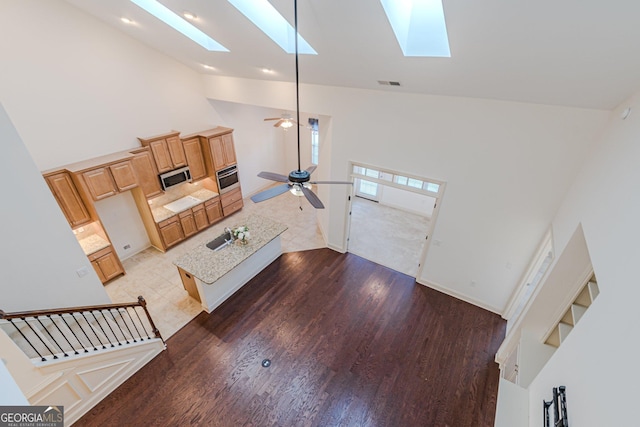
(279,123)
(270,192)
(273,176)
(330,182)
(312,198)
(311,168)
(273,118)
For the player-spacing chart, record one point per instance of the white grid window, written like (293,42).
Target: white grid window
(315,141)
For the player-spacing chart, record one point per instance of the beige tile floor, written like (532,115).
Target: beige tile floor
(387,236)
(381,234)
(151,273)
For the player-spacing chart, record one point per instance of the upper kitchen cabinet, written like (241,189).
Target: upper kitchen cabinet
(68,197)
(195,160)
(224,152)
(108,180)
(147,172)
(167,151)
(217,148)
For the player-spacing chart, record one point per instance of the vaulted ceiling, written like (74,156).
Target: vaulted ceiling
(583,53)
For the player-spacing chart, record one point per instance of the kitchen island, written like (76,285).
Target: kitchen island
(213,276)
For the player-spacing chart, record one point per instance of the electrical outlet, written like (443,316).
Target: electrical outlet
(82,271)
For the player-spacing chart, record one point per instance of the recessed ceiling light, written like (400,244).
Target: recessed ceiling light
(189,15)
(208,67)
(126,20)
(175,21)
(268,19)
(267,70)
(419,26)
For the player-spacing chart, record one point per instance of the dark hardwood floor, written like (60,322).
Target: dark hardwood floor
(351,344)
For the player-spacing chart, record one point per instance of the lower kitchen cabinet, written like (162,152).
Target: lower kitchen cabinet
(200,217)
(213,209)
(231,201)
(171,231)
(188,223)
(106,264)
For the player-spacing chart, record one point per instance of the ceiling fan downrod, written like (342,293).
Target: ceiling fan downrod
(295,20)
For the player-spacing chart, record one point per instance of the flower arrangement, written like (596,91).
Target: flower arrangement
(241,234)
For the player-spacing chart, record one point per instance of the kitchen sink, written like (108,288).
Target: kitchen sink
(182,204)
(221,241)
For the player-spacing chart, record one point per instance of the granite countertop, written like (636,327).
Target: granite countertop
(208,266)
(160,213)
(93,244)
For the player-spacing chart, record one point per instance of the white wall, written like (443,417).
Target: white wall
(91,90)
(40,254)
(507,166)
(407,200)
(120,217)
(76,88)
(598,362)
(10,393)
(259,146)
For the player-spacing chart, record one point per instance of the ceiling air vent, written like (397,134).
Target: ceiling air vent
(388,83)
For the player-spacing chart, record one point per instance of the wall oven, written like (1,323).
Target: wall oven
(228,179)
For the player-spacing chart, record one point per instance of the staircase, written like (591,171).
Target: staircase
(75,356)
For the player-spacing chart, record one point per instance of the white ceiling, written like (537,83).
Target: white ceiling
(583,53)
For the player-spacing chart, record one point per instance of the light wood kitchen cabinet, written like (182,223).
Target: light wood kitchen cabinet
(167,151)
(106,264)
(223,151)
(188,223)
(124,175)
(109,180)
(147,172)
(231,201)
(195,160)
(213,209)
(200,217)
(100,183)
(171,231)
(67,196)
(217,148)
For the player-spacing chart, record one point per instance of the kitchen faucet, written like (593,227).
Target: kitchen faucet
(231,236)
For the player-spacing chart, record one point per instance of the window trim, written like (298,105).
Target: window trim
(393,183)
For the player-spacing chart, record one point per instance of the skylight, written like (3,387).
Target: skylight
(419,26)
(179,24)
(269,20)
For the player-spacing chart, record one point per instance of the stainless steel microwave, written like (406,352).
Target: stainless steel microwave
(175,177)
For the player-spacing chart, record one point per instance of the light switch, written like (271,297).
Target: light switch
(82,271)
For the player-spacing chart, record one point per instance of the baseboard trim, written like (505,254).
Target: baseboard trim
(336,248)
(459,296)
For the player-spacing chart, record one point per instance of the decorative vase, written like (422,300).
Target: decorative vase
(241,242)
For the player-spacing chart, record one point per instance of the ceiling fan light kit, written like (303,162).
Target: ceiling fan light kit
(299,181)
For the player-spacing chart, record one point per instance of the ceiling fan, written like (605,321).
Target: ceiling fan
(285,121)
(299,181)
